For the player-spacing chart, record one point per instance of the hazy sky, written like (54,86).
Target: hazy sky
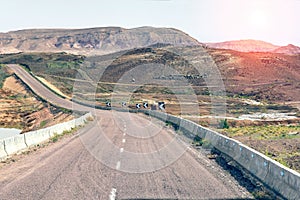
(275,21)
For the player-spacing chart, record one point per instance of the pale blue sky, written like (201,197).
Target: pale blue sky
(275,21)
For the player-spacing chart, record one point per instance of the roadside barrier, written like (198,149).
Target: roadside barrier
(279,178)
(18,143)
(36,137)
(3,153)
(14,144)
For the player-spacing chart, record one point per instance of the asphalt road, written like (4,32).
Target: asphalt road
(118,156)
(42,91)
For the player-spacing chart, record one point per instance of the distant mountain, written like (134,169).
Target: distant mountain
(289,49)
(91,41)
(255,46)
(245,46)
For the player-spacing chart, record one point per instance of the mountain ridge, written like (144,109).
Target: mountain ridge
(289,49)
(255,46)
(104,40)
(97,41)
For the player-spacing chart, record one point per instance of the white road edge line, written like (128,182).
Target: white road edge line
(113,194)
(118,165)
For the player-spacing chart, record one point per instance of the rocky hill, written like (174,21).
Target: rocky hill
(289,49)
(265,77)
(90,41)
(263,74)
(255,46)
(244,46)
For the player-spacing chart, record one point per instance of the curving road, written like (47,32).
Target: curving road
(118,156)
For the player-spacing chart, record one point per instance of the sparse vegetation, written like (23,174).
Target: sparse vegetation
(90,119)
(266,132)
(261,195)
(3,75)
(223,124)
(279,142)
(43,123)
(175,126)
(23,110)
(198,141)
(56,137)
(48,65)
(206,144)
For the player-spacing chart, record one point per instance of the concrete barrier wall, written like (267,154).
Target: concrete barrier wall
(283,180)
(36,137)
(52,131)
(3,153)
(15,144)
(59,129)
(276,176)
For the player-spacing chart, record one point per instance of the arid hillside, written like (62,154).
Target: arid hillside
(21,109)
(269,77)
(260,85)
(266,77)
(93,41)
(289,49)
(260,76)
(244,46)
(255,46)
